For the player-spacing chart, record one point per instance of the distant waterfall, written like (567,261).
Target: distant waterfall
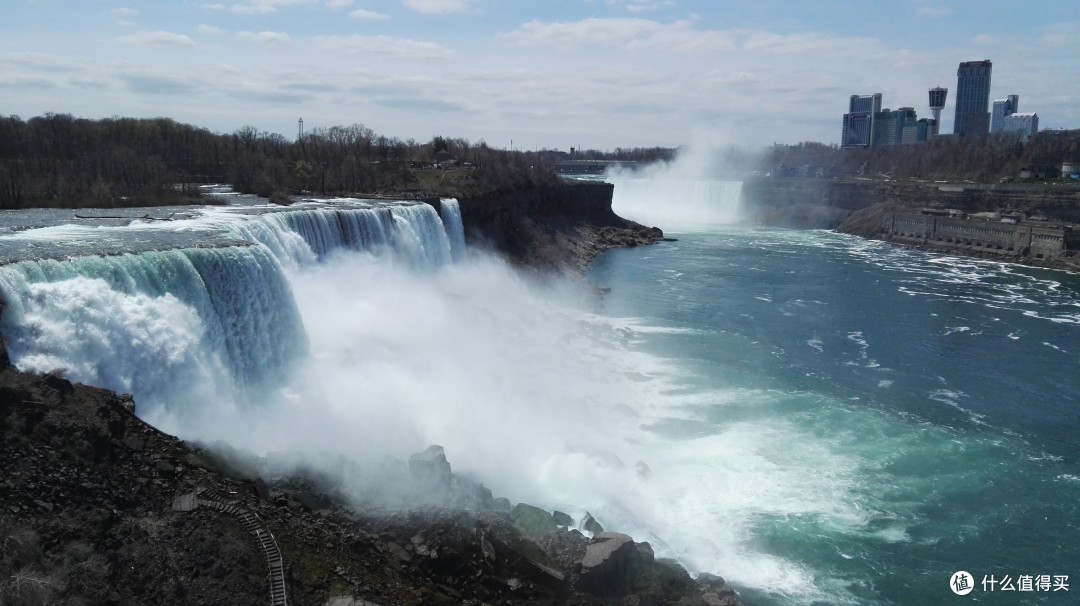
(455,229)
(412,232)
(677,204)
(204,323)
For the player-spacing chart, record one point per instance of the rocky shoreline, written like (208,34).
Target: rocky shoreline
(867,223)
(97,507)
(858,207)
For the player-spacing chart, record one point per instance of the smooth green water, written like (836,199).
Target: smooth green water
(855,422)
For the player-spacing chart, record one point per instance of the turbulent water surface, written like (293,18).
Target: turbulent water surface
(856,422)
(819,419)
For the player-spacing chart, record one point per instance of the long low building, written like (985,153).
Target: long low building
(1039,241)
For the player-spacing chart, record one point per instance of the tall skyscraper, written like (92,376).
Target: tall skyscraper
(937,103)
(972,98)
(859,121)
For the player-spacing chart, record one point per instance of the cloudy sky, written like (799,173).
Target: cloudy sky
(543,73)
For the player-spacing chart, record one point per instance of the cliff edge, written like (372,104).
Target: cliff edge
(551,228)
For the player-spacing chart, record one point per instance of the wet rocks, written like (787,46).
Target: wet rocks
(590,524)
(105,508)
(562,519)
(430,469)
(533,521)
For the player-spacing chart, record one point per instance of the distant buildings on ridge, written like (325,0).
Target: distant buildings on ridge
(868,125)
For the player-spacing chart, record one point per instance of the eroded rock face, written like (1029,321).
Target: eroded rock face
(556,228)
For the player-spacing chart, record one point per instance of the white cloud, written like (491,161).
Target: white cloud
(336,4)
(215,7)
(123,11)
(641,6)
(436,7)
(386,46)
(265,7)
(253,9)
(934,11)
(267,37)
(157,39)
(630,34)
(812,44)
(210,30)
(367,15)
(1060,35)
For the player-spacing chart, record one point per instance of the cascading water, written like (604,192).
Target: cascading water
(192,324)
(188,329)
(455,229)
(410,232)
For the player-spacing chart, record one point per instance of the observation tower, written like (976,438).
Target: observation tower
(937,103)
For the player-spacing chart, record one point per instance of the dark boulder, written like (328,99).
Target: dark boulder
(614,565)
(590,524)
(533,521)
(562,519)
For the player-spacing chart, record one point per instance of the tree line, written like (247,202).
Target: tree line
(60,160)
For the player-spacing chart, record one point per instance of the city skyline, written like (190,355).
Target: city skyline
(582,73)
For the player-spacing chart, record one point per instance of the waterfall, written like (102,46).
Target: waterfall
(411,232)
(148,322)
(677,204)
(217,321)
(455,229)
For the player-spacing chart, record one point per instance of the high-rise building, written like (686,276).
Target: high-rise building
(859,121)
(937,103)
(1002,109)
(972,98)
(1024,125)
(899,127)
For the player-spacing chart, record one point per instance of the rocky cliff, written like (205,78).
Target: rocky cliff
(559,227)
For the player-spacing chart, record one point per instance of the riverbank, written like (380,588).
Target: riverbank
(862,207)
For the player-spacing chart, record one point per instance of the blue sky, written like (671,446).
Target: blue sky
(551,73)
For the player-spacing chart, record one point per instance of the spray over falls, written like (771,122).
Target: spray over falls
(182,327)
